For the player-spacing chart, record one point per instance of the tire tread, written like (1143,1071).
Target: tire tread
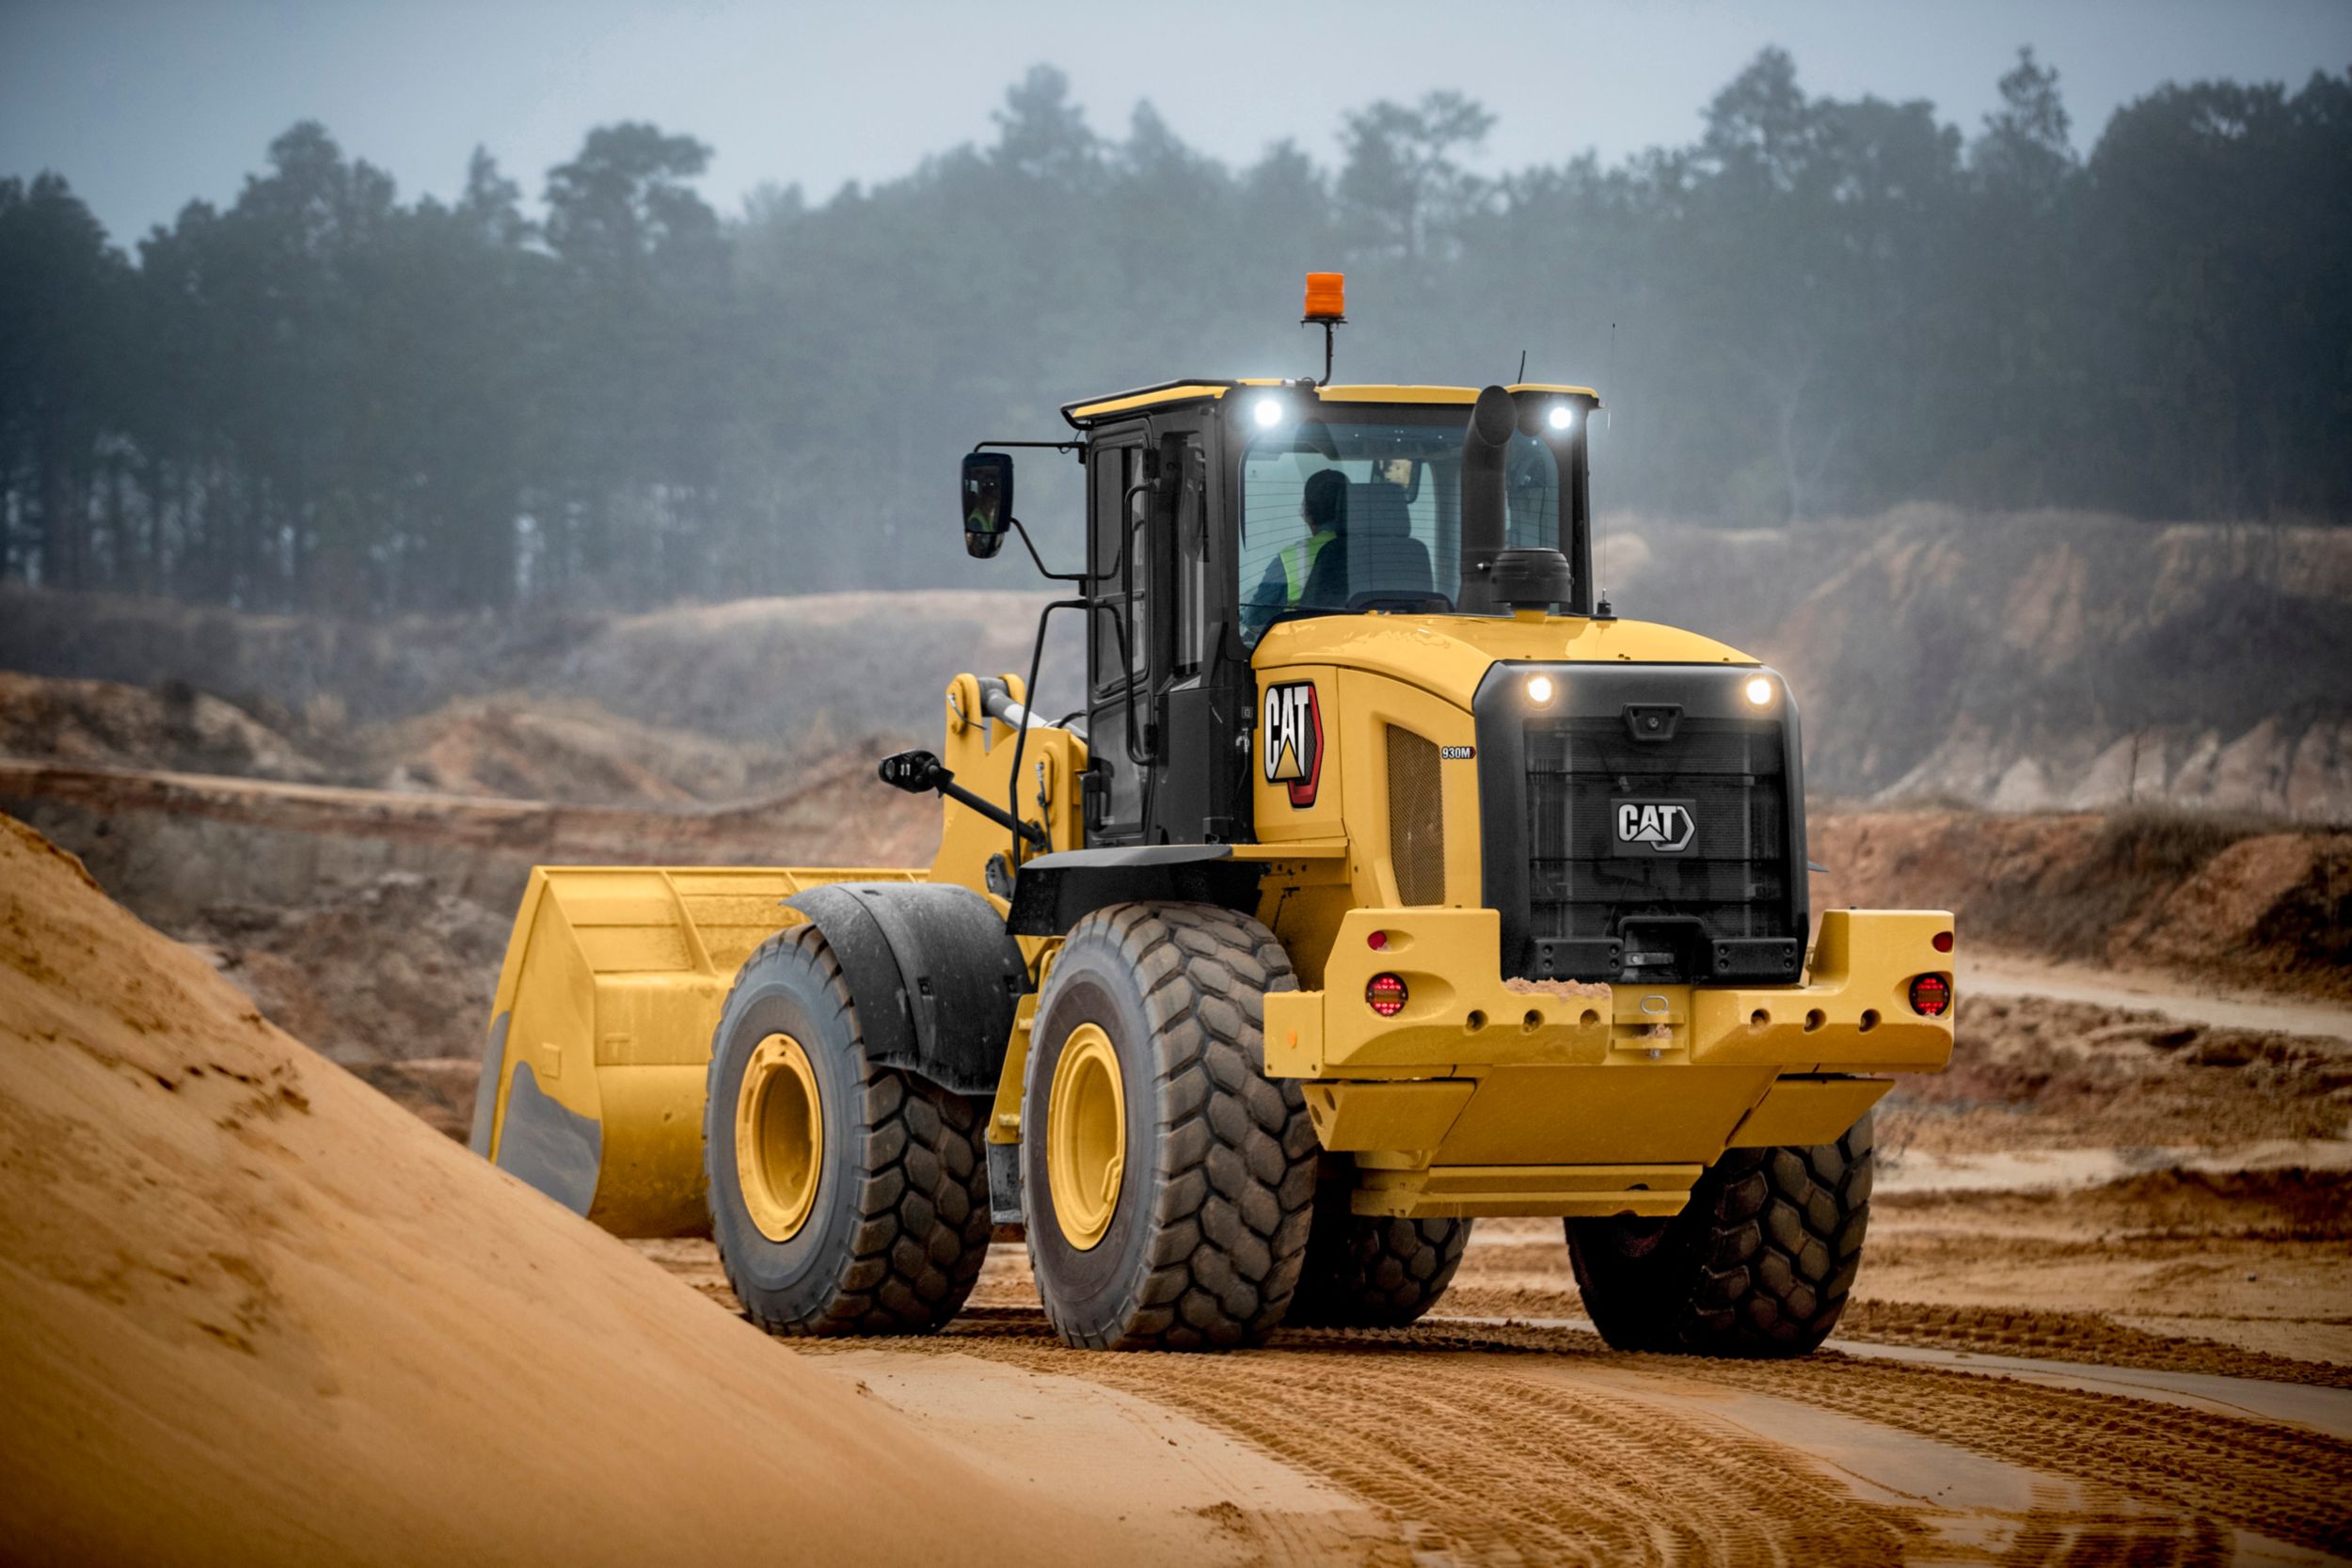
(1758,1265)
(912,1261)
(1368,1271)
(1231,1222)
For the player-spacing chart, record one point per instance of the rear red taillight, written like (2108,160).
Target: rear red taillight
(1931,996)
(1942,941)
(1386,995)
(1378,941)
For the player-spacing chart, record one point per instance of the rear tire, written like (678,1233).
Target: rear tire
(1757,1265)
(1187,1224)
(875,1219)
(1372,1272)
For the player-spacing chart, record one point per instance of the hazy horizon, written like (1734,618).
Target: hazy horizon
(144,107)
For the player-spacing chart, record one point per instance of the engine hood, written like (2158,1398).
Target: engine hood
(1449,654)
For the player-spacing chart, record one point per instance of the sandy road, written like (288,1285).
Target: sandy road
(1510,1442)
(2106,1317)
(1517,1444)
(2129,991)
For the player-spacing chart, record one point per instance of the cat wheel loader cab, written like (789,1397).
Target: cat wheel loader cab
(1381,880)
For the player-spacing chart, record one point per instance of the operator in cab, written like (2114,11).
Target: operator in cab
(1314,570)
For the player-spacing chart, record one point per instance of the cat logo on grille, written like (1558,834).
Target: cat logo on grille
(1289,739)
(1655,827)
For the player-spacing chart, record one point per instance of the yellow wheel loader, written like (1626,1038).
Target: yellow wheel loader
(1379,878)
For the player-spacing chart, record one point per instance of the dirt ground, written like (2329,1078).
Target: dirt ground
(2106,1315)
(1502,1431)
(2105,1311)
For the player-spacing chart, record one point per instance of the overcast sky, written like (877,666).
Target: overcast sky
(143,107)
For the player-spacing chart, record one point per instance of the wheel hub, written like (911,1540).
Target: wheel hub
(1085,1136)
(779,1137)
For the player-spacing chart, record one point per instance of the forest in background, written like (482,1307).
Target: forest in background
(320,397)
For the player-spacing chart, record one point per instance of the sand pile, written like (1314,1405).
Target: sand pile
(252,1311)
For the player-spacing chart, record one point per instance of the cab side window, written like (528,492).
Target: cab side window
(1122,562)
(1192,555)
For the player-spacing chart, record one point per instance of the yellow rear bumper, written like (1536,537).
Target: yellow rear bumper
(1483,1097)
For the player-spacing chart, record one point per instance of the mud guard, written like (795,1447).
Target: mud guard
(932,971)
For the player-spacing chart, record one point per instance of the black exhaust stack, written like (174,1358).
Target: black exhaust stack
(1495,578)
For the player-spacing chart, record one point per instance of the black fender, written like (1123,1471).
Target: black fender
(932,971)
(1053,893)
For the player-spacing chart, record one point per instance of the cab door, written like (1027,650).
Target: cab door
(1122,574)
(1201,793)
(1161,721)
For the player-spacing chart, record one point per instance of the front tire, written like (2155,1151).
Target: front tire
(1758,1264)
(846,1199)
(1167,1180)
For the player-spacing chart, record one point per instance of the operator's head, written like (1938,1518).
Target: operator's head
(1325,505)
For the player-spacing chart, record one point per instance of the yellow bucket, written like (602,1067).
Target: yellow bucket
(599,1051)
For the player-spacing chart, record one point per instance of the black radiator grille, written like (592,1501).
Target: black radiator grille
(1732,877)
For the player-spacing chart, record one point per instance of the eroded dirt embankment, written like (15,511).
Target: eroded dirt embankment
(2035,661)
(2211,897)
(783,675)
(2038,661)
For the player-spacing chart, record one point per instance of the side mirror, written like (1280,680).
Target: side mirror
(987,503)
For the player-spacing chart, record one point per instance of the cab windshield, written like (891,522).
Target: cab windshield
(1344,514)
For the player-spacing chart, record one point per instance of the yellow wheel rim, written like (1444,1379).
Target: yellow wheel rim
(779,1137)
(1085,1136)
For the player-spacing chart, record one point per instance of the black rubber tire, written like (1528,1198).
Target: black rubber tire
(901,1225)
(1210,1228)
(1366,1272)
(1758,1265)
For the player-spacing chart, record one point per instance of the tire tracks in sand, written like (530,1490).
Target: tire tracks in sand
(1467,1454)
(2090,1337)
(1537,1445)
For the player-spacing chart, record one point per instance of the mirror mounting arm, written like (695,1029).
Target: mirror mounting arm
(920,772)
(1041,569)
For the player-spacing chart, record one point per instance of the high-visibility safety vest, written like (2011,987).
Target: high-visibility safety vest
(1298,562)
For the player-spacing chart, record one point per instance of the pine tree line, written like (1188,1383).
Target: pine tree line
(322,397)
